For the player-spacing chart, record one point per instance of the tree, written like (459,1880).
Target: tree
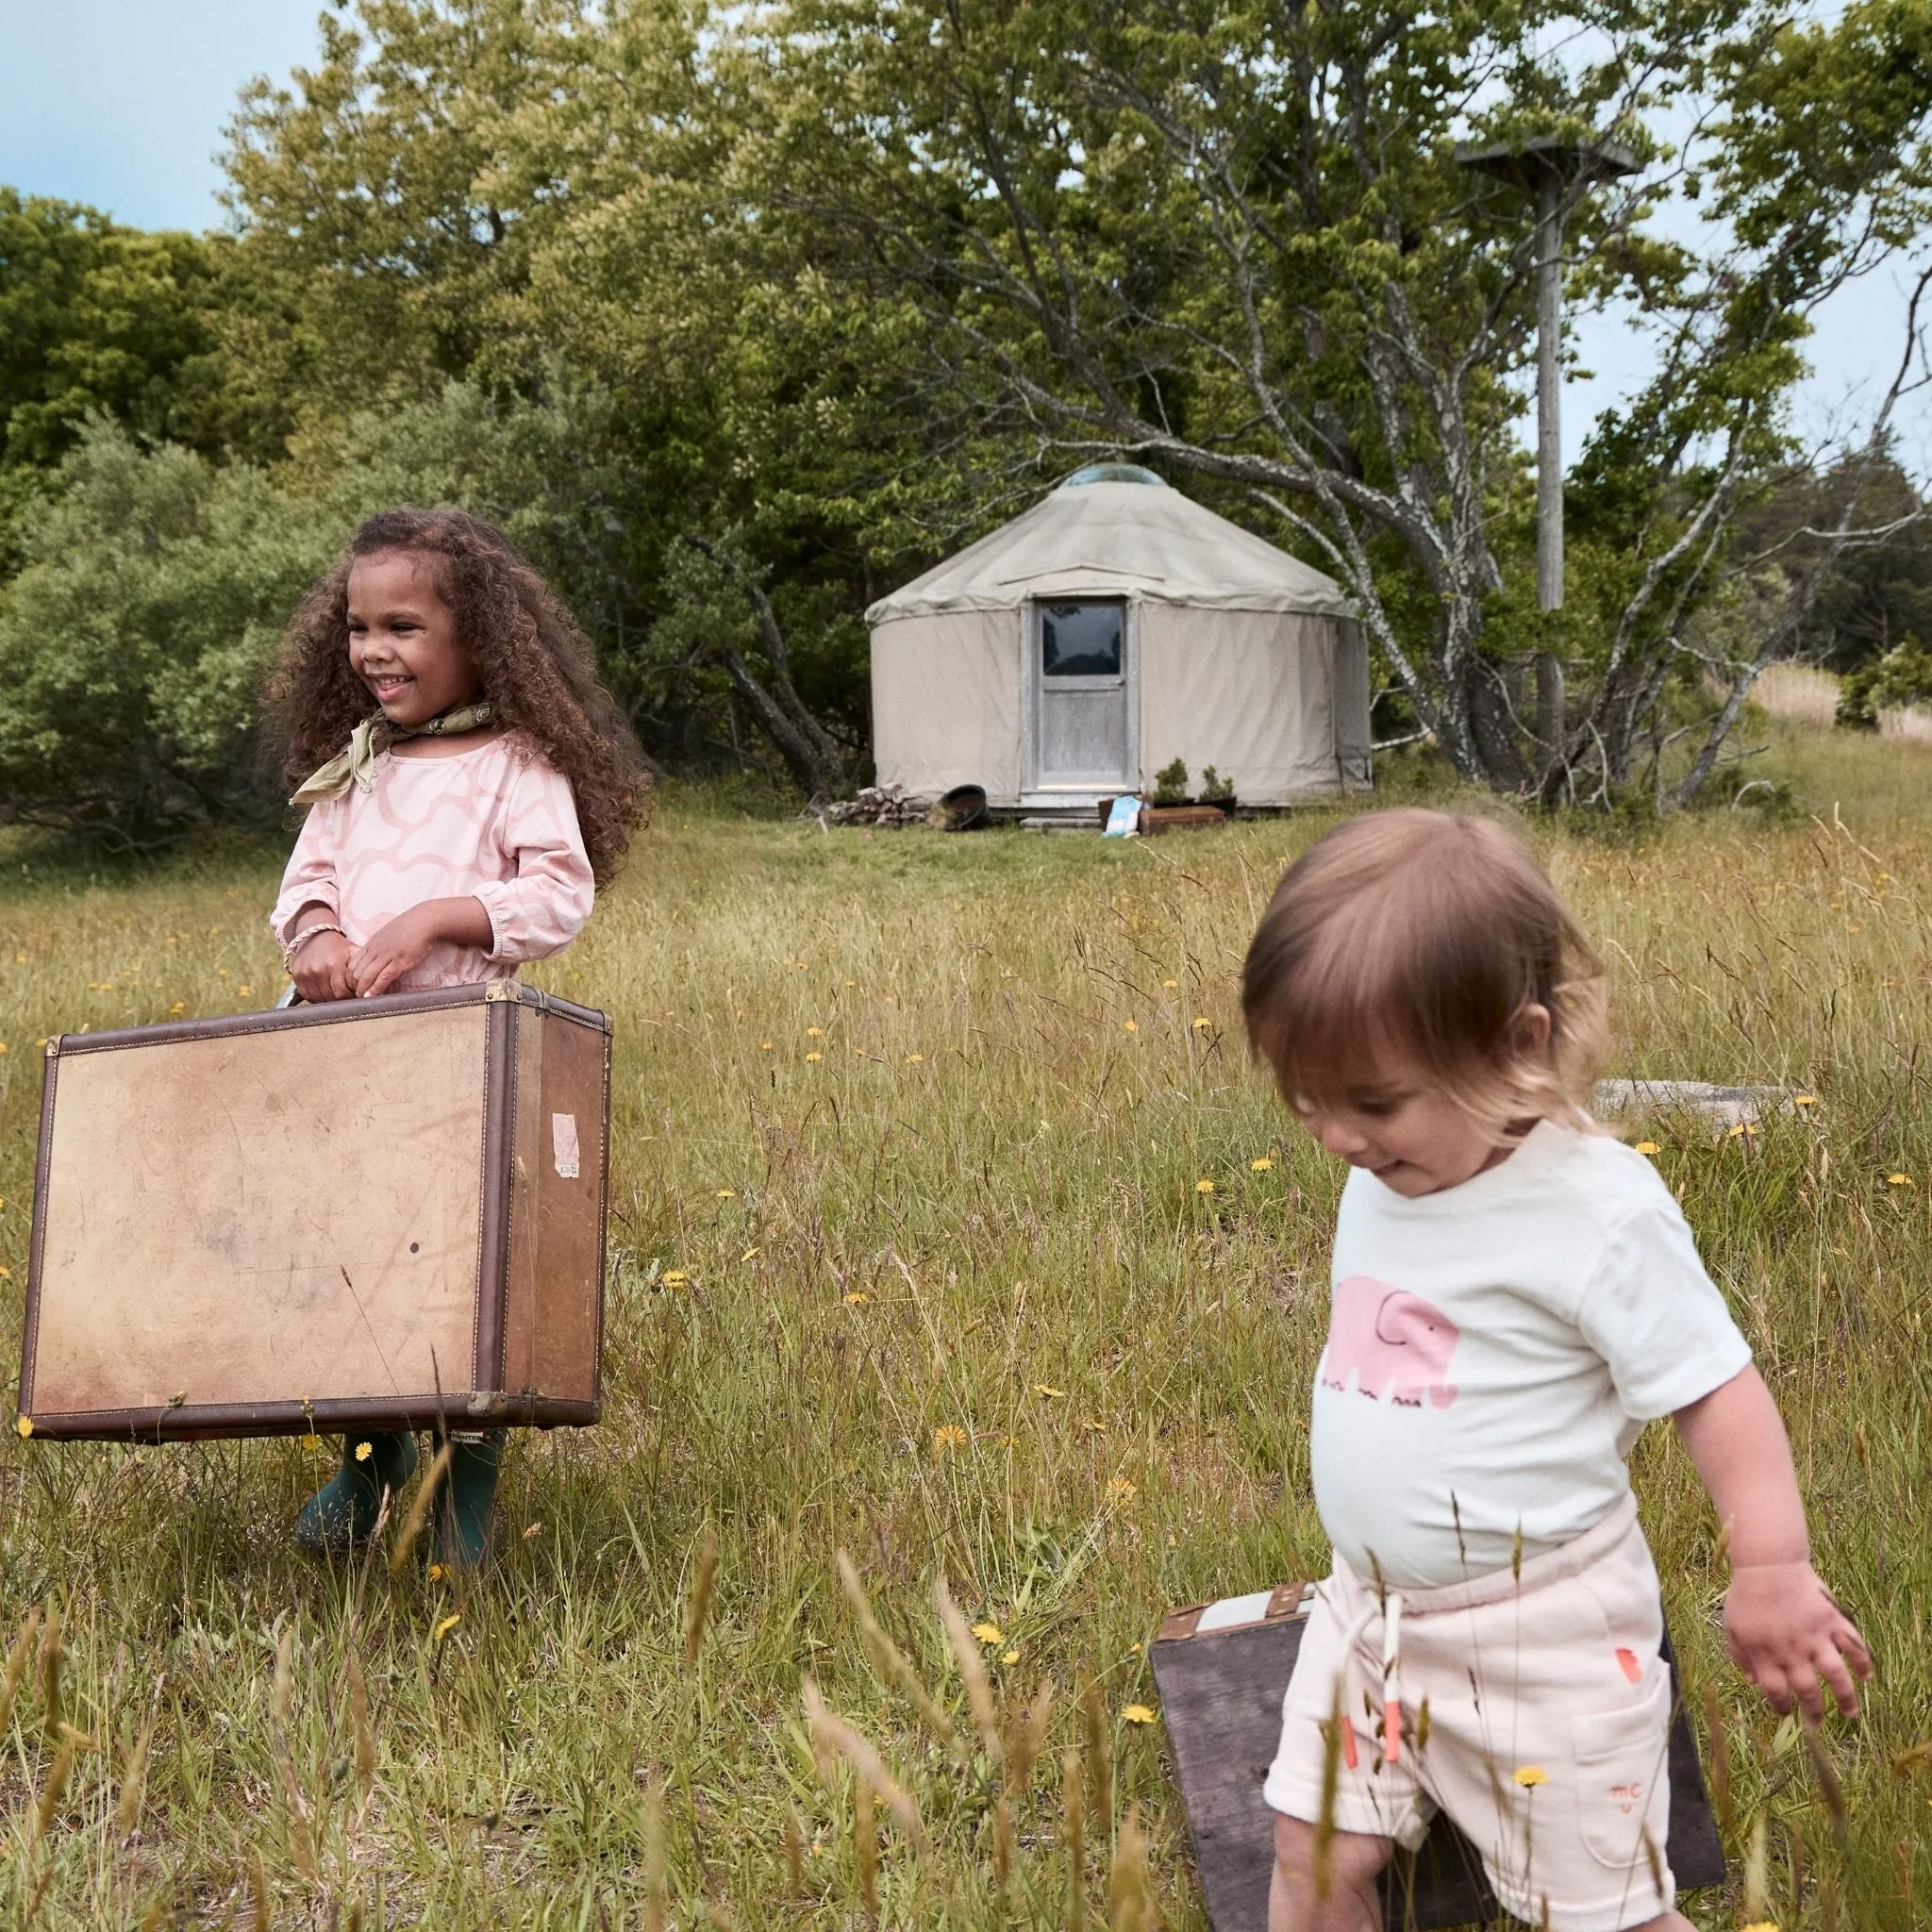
(1238,245)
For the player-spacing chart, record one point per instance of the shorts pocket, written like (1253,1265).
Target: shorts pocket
(1623,1777)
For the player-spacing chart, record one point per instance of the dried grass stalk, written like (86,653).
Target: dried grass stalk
(17,1659)
(833,1737)
(656,1888)
(134,1783)
(865,1851)
(986,1717)
(697,1612)
(889,1664)
(1099,1755)
(1129,1890)
(53,1654)
(1826,1774)
(1028,1741)
(1720,1746)
(1075,1808)
(358,1718)
(419,1510)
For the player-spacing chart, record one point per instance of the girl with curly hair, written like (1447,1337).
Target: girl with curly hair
(469,783)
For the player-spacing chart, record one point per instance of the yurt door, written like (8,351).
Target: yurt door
(1082,725)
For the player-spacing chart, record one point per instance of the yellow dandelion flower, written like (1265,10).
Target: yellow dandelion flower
(1170,984)
(764,1046)
(1898,1180)
(858,1298)
(1052,1394)
(1010,1657)
(313,1443)
(436,1573)
(814,1056)
(852,982)
(1648,1147)
(1204,1187)
(1762,1925)
(1530,1776)
(949,1436)
(728,1193)
(239,989)
(6,1273)
(1262,1165)
(24,1427)
(814,1032)
(1130,1026)
(1137,1714)
(675,1277)
(446,1624)
(20,959)
(913,1059)
(989,1633)
(1805,1100)
(1201,1023)
(750,1255)
(180,1007)
(364,1451)
(1745,1130)
(3,1046)
(1121,1489)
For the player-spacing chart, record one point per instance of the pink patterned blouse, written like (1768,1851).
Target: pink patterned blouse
(496,823)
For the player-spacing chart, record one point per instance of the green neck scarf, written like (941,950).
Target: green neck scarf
(357,766)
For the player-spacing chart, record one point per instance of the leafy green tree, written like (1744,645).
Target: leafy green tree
(98,317)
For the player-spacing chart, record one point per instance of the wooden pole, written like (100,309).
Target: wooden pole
(1549,448)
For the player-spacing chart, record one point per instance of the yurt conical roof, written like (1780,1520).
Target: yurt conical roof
(1117,530)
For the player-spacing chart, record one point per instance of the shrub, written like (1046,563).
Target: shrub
(1903,676)
(133,641)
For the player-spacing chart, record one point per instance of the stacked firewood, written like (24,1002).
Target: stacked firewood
(879,804)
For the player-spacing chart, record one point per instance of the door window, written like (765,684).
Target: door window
(1081,640)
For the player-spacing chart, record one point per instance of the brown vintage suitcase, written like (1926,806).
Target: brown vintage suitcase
(1222,1670)
(366,1214)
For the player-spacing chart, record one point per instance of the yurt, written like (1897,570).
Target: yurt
(1117,625)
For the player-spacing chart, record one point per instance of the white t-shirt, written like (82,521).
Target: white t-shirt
(1495,1349)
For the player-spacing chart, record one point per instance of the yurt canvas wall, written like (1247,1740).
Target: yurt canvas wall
(1116,626)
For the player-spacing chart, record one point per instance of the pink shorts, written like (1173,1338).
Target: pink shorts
(1547,1734)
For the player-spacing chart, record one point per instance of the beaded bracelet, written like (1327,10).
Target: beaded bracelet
(302,938)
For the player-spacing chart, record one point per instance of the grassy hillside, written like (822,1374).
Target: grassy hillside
(952,1230)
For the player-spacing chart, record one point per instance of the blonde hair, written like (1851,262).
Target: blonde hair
(1422,938)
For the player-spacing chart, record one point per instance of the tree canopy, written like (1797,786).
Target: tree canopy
(741,317)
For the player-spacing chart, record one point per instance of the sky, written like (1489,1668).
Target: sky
(121,104)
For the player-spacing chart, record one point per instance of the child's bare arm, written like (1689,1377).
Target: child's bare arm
(403,944)
(1785,1631)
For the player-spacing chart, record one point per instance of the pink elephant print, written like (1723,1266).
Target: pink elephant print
(1388,1336)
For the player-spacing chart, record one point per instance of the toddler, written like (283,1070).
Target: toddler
(1515,1295)
(468,783)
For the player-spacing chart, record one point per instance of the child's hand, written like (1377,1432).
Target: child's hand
(406,941)
(321,967)
(1786,1632)
(393,950)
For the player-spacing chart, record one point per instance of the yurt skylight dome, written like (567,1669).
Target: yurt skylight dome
(1114,472)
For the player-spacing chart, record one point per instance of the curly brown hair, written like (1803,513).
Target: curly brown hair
(534,662)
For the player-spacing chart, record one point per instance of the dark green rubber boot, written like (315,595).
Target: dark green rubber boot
(341,1516)
(469,1499)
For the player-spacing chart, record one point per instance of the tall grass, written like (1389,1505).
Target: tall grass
(951,1231)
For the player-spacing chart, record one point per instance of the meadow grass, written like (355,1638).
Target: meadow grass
(951,1230)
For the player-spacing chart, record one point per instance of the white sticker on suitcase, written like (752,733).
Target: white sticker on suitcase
(563,1142)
